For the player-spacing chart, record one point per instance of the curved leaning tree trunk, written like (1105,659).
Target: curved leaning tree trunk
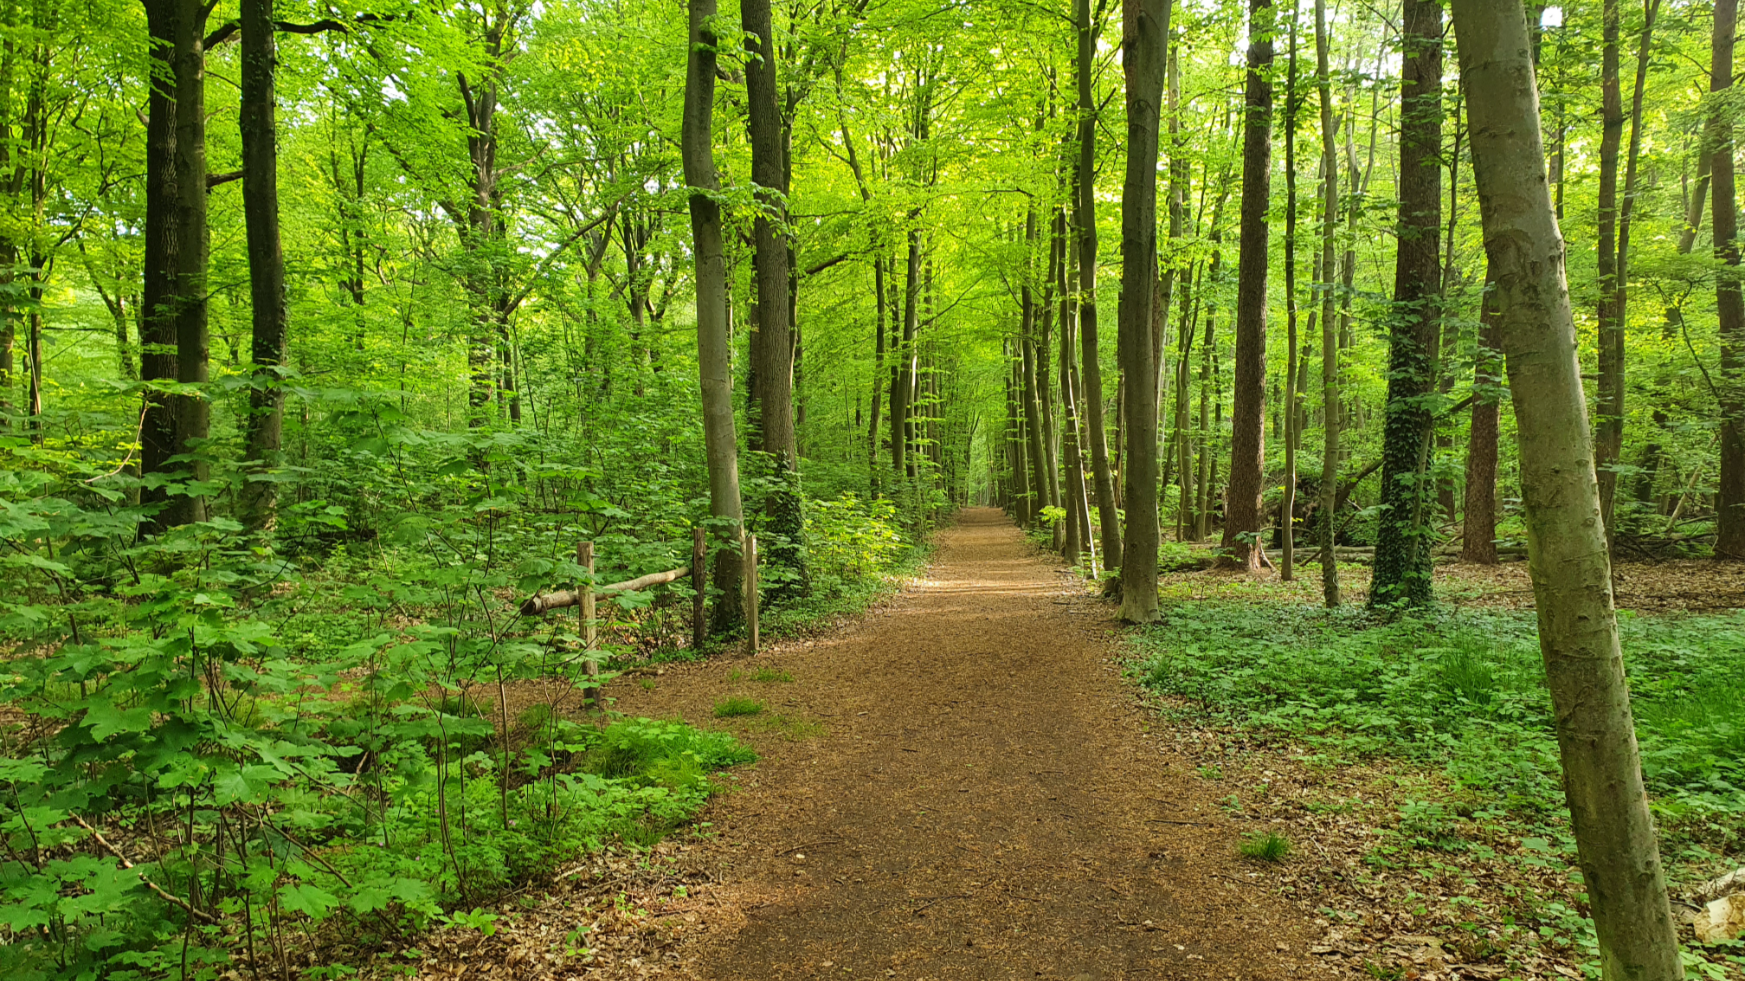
(1572,584)
(720,442)
(1143,40)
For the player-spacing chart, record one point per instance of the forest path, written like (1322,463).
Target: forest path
(983,803)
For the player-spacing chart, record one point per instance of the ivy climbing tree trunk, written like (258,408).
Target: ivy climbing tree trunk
(1242,512)
(193,412)
(1143,42)
(720,443)
(1402,547)
(1572,582)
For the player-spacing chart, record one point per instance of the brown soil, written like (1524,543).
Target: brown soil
(982,801)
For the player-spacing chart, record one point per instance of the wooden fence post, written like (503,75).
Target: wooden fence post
(751,593)
(700,582)
(590,628)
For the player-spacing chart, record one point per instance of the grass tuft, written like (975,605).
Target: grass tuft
(1267,846)
(734,706)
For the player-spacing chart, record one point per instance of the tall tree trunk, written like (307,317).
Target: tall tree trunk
(1242,512)
(266,263)
(720,443)
(157,340)
(1479,529)
(1729,303)
(1084,187)
(1287,515)
(903,382)
(872,433)
(1035,437)
(1329,503)
(1402,547)
(1609,406)
(1578,629)
(1611,442)
(193,413)
(783,511)
(1078,517)
(1143,43)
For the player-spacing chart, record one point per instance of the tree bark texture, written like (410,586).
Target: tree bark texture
(720,443)
(1329,504)
(1729,303)
(1572,584)
(1242,512)
(1084,181)
(1402,549)
(266,263)
(1144,40)
(1479,529)
(157,359)
(193,413)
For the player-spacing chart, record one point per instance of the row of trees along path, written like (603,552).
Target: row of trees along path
(500,174)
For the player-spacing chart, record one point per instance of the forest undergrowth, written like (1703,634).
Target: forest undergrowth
(1413,761)
(292,756)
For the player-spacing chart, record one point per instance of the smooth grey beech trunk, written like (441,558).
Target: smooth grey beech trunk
(1566,542)
(720,442)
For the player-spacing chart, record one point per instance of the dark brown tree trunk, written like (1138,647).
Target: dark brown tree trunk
(1242,511)
(1402,548)
(1145,58)
(1609,405)
(1729,303)
(1292,428)
(903,382)
(1078,516)
(1479,531)
(770,257)
(266,263)
(1084,187)
(157,359)
(1329,503)
(193,414)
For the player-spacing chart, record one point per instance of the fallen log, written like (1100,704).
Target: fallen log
(542,603)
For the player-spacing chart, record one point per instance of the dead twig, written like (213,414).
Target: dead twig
(154,887)
(809,844)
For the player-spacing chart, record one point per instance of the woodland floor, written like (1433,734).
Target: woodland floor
(959,785)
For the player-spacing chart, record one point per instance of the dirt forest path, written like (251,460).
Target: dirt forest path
(983,802)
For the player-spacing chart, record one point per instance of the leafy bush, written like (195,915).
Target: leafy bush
(217,742)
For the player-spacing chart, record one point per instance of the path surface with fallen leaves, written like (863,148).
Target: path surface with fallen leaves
(961,785)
